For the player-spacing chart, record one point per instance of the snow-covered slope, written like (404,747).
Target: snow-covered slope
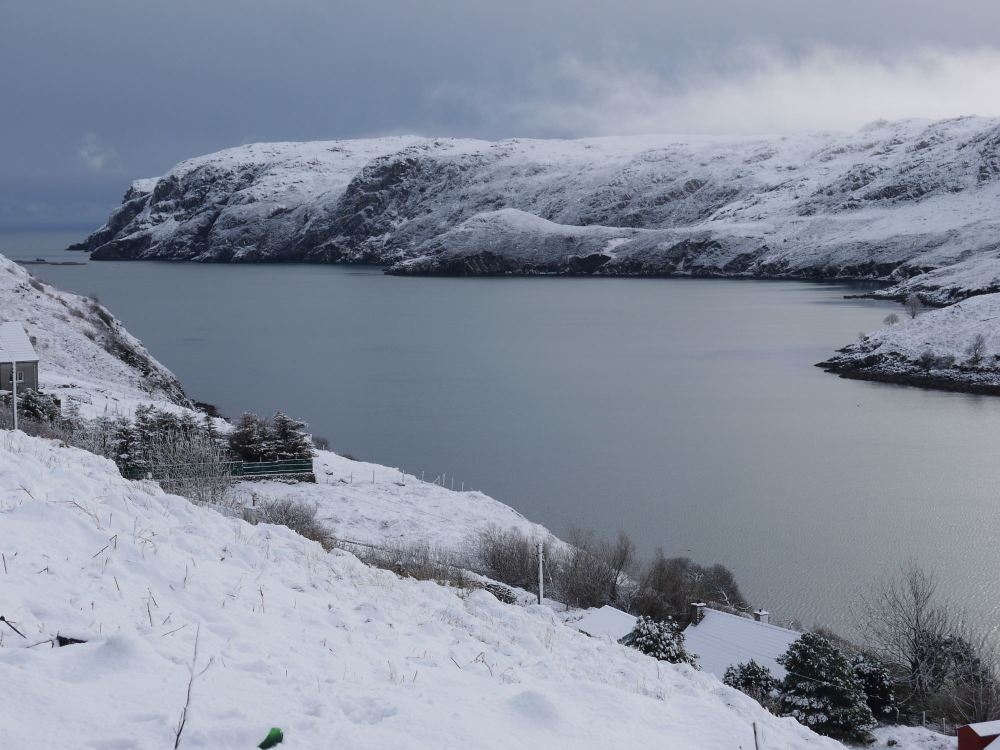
(86,354)
(335,653)
(373,504)
(892,200)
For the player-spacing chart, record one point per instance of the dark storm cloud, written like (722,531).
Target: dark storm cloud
(97,93)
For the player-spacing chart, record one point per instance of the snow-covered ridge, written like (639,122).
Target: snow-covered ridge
(86,354)
(290,636)
(893,201)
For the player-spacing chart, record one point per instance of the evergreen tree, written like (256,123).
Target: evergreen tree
(71,414)
(662,640)
(287,438)
(126,445)
(251,438)
(31,403)
(877,683)
(208,425)
(821,692)
(753,679)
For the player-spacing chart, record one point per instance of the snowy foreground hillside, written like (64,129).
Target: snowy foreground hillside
(333,652)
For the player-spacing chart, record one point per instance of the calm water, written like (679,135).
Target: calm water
(686,412)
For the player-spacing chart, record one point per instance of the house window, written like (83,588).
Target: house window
(20,376)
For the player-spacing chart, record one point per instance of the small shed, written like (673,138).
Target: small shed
(979,736)
(607,622)
(722,640)
(17,353)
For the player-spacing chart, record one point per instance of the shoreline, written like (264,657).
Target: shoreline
(926,382)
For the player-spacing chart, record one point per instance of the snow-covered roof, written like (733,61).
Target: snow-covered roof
(722,640)
(987,729)
(606,621)
(15,345)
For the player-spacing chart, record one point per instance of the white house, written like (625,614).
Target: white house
(722,640)
(606,622)
(15,347)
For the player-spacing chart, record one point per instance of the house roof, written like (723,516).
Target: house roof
(15,346)
(722,640)
(987,729)
(606,621)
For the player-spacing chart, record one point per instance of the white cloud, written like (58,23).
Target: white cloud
(759,91)
(97,155)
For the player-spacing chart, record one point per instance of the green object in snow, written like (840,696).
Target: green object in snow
(274,737)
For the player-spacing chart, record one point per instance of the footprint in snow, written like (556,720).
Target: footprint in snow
(536,708)
(366,710)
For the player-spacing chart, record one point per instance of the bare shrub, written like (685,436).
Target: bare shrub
(190,464)
(592,573)
(891,319)
(419,561)
(509,556)
(944,361)
(976,350)
(927,359)
(938,663)
(913,305)
(668,585)
(299,517)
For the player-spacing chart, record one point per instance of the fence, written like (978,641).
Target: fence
(296,468)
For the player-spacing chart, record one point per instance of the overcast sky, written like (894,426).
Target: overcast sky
(95,93)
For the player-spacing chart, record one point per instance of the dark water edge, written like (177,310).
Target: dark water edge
(912,380)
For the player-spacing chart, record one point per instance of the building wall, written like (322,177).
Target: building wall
(28,369)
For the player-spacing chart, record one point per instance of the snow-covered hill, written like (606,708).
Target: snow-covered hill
(893,201)
(86,354)
(335,653)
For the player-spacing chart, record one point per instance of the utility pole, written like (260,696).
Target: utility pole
(541,572)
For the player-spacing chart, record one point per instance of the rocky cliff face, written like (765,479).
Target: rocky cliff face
(896,201)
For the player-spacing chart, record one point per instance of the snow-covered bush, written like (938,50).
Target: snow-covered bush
(877,683)
(37,405)
(753,679)
(288,440)
(662,640)
(821,691)
(249,438)
(257,439)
